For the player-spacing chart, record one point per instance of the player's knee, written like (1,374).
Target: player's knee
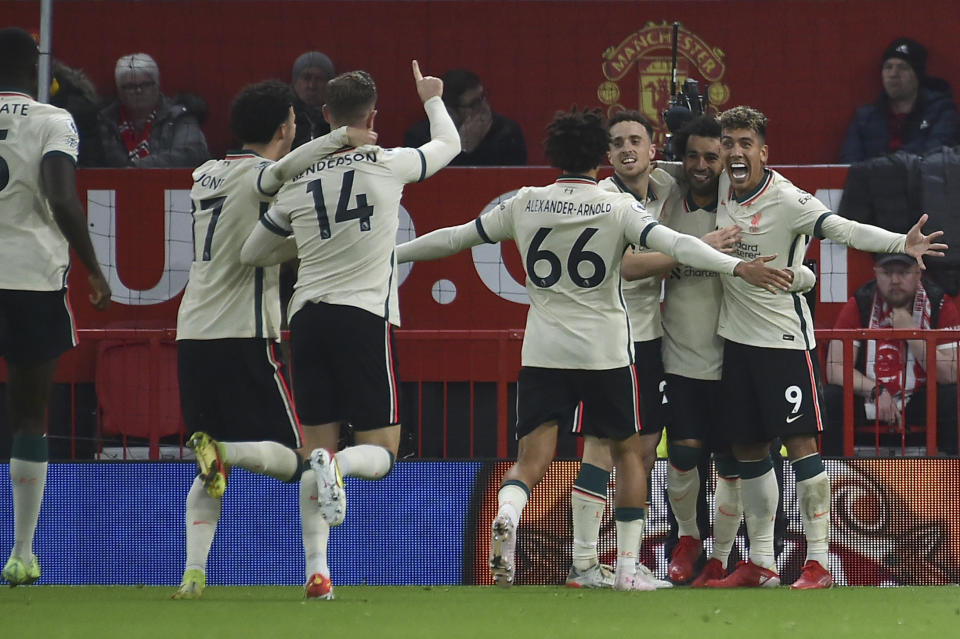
(683,457)
(727,466)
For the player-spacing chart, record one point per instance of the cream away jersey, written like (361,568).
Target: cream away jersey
(343,212)
(643,296)
(571,236)
(779,218)
(691,304)
(224,298)
(34,254)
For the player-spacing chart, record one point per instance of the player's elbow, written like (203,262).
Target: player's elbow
(251,255)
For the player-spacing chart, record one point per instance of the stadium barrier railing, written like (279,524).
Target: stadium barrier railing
(458,396)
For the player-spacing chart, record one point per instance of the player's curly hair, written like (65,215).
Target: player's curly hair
(350,95)
(259,109)
(576,141)
(705,126)
(744,117)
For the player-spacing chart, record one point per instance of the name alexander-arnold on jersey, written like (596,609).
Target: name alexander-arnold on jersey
(336,161)
(567,208)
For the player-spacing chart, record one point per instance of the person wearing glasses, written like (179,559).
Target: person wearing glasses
(144,128)
(486,138)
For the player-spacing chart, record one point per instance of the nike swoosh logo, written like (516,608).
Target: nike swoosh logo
(819,515)
(790,420)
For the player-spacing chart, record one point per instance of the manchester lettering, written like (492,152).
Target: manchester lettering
(561,207)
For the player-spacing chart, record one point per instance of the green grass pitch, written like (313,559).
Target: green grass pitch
(101,612)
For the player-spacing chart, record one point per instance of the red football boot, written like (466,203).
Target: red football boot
(319,586)
(812,577)
(747,575)
(713,570)
(684,559)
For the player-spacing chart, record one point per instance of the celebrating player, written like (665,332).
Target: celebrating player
(228,326)
(40,220)
(631,153)
(771,378)
(692,358)
(343,213)
(572,236)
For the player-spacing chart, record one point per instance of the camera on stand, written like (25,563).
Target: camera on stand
(685,105)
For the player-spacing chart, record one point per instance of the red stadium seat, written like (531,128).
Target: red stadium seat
(137,391)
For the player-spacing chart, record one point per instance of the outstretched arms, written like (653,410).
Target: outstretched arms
(440,243)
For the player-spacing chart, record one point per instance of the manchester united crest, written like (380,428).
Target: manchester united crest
(649,52)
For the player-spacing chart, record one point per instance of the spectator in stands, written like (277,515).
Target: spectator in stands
(486,138)
(72,90)
(311,72)
(913,113)
(890,373)
(144,128)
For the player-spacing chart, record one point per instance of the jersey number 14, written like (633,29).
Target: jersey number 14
(362,212)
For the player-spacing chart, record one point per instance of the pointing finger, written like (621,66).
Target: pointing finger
(416,71)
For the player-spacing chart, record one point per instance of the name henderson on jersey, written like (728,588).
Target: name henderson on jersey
(346,159)
(561,207)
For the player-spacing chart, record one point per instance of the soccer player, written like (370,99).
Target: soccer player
(577,346)
(692,357)
(343,213)
(631,152)
(771,379)
(228,326)
(41,218)
(691,347)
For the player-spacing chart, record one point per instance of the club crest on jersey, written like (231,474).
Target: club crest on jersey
(649,51)
(755,222)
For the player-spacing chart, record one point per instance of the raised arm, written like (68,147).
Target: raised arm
(444,144)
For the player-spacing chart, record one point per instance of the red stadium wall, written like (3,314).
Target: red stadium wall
(142,228)
(806,64)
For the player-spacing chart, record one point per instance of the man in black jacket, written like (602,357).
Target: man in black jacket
(311,72)
(913,113)
(486,138)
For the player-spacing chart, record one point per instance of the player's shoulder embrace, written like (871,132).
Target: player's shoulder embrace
(203,169)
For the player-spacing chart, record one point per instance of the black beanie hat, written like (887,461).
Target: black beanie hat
(912,51)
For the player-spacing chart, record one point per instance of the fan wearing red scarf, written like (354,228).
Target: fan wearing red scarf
(890,376)
(144,128)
